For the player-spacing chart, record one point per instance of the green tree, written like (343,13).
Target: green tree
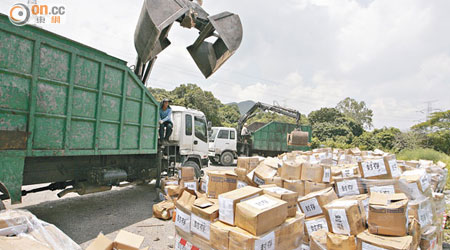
(230,115)
(356,110)
(436,131)
(324,115)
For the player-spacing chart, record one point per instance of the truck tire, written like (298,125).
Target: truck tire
(227,158)
(196,167)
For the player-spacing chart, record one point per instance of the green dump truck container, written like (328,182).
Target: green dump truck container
(70,115)
(271,139)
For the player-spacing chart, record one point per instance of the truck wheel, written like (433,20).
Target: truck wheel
(195,166)
(227,158)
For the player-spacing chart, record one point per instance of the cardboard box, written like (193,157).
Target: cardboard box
(363,200)
(228,201)
(189,184)
(173,190)
(124,240)
(318,240)
(291,170)
(388,214)
(312,172)
(385,186)
(169,181)
(183,206)
(263,172)
(186,173)
(286,236)
(348,186)
(283,194)
(422,211)
(261,214)
(295,185)
(348,171)
(204,212)
(164,209)
(379,168)
(340,242)
(185,241)
(418,182)
(414,231)
(248,163)
(221,181)
(311,187)
(220,234)
(345,217)
(241,174)
(22,242)
(314,224)
(276,180)
(312,203)
(367,240)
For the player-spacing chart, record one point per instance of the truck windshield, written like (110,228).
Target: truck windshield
(213,134)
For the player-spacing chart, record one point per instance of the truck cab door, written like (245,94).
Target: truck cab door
(200,138)
(223,140)
(187,136)
(233,140)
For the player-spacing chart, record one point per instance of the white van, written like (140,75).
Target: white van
(223,145)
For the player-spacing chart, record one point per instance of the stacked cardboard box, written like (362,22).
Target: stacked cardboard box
(320,199)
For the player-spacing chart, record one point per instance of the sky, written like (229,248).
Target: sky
(303,54)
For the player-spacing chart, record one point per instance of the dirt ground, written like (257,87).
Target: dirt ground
(83,217)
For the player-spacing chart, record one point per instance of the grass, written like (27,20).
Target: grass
(425,154)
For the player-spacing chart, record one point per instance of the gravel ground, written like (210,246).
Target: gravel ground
(83,217)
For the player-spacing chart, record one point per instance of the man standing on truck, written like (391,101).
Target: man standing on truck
(165,122)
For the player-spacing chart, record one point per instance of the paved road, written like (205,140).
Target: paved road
(83,217)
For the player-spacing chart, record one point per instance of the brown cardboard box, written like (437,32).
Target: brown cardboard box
(312,203)
(283,194)
(186,173)
(169,181)
(204,212)
(318,240)
(221,181)
(295,185)
(183,206)
(291,170)
(173,190)
(386,186)
(261,214)
(263,172)
(220,234)
(124,241)
(345,217)
(164,209)
(422,211)
(379,168)
(312,172)
(228,201)
(348,186)
(311,187)
(186,241)
(248,163)
(286,236)
(367,240)
(363,200)
(350,170)
(414,231)
(418,183)
(276,180)
(340,242)
(388,214)
(241,174)
(314,224)
(22,242)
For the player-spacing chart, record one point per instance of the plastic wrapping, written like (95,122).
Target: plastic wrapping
(20,229)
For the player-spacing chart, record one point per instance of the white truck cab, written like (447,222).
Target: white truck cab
(188,143)
(223,145)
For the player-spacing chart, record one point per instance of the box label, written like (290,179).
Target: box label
(172,183)
(326,175)
(183,221)
(261,203)
(192,185)
(200,226)
(395,170)
(241,184)
(347,172)
(347,187)
(367,246)
(316,225)
(204,186)
(424,182)
(339,222)
(258,180)
(388,189)
(311,207)
(226,210)
(373,168)
(414,190)
(267,242)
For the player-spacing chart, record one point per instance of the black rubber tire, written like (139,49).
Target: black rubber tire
(227,159)
(196,167)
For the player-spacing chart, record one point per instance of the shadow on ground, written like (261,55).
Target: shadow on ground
(83,217)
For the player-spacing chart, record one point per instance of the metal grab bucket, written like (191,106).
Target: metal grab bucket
(297,138)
